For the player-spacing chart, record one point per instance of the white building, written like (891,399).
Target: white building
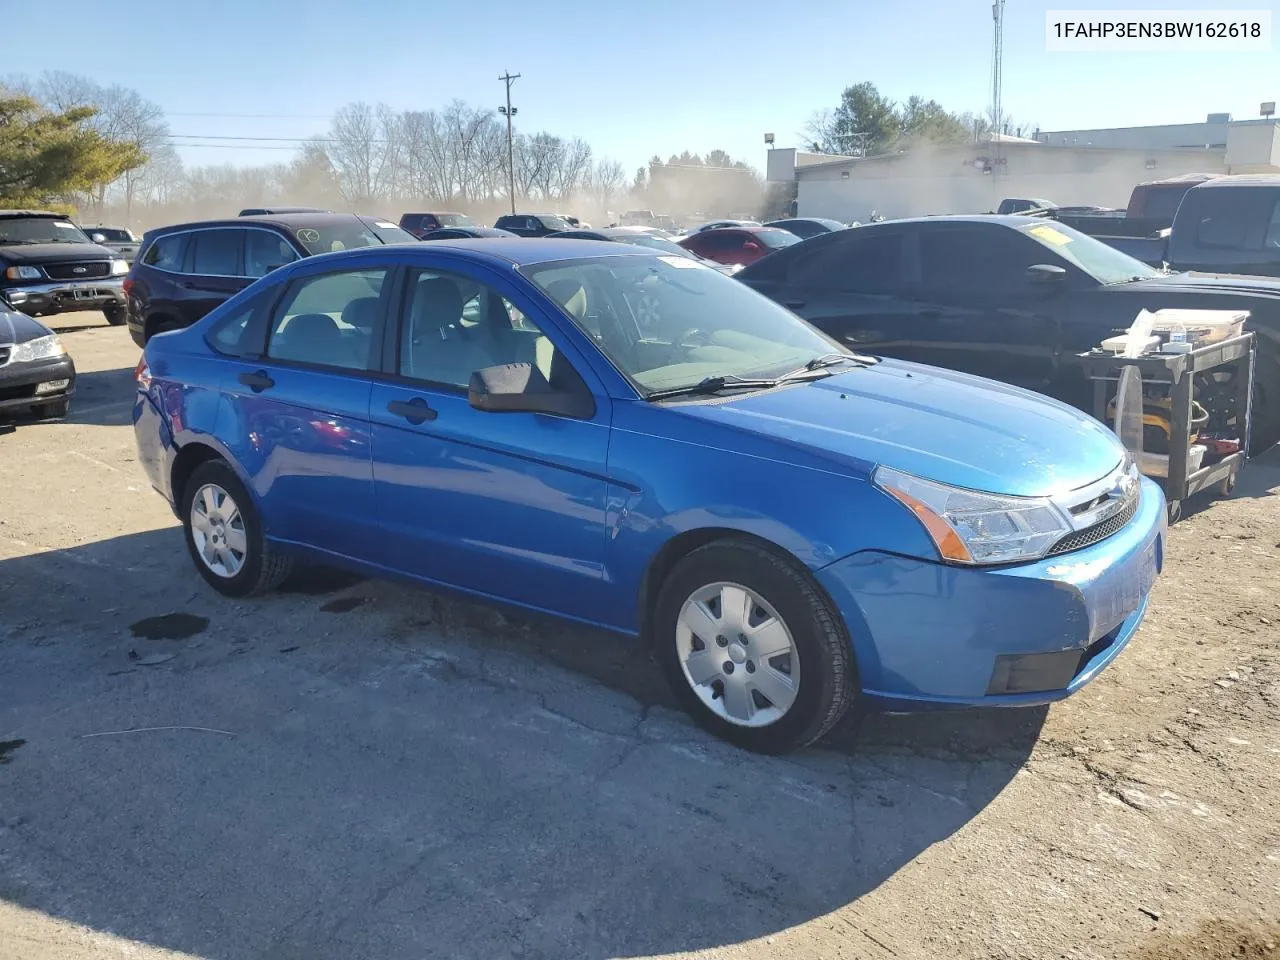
(1074,167)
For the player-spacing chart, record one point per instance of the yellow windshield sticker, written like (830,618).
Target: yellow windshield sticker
(1050,235)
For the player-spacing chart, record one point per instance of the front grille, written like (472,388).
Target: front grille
(86,270)
(1096,533)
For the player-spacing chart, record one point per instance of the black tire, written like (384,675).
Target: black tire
(1266,403)
(116,316)
(264,567)
(828,676)
(54,410)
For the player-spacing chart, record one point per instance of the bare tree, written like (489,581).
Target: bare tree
(363,147)
(607,179)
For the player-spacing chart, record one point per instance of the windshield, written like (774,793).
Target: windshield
(455,220)
(556,223)
(655,242)
(1105,264)
(112,235)
(777,239)
(670,322)
(40,230)
(332,237)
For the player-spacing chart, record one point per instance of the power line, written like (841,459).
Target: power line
(252,116)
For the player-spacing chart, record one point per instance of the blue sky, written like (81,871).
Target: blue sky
(633,79)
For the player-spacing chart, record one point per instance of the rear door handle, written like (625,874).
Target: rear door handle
(416,411)
(793,304)
(257,381)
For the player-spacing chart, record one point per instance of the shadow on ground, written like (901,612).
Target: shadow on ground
(356,768)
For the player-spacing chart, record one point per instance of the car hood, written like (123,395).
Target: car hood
(53,252)
(933,423)
(19,328)
(1209,283)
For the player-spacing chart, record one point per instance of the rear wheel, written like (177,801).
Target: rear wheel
(225,534)
(116,315)
(751,648)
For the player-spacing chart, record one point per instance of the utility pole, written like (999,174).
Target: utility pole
(509,111)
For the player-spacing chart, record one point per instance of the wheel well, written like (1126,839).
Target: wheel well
(154,322)
(189,457)
(675,550)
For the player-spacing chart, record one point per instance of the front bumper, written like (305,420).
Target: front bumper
(928,635)
(64,296)
(19,381)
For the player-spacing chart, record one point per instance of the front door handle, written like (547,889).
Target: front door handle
(416,411)
(257,381)
(793,304)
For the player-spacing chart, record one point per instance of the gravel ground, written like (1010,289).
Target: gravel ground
(354,769)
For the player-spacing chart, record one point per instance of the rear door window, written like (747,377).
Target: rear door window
(329,320)
(240,333)
(217,253)
(1231,218)
(869,263)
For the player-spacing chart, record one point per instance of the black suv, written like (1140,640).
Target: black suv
(420,224)
(184,271)
(533,224)
(48,265)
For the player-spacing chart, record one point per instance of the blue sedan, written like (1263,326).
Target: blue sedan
(791,527)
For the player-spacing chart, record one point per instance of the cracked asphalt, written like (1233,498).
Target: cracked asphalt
(352,768)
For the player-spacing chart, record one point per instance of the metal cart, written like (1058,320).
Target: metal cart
(1179,371)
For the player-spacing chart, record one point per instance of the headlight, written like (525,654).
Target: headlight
(23,273)
(971,527)
(41,348)
(119,268)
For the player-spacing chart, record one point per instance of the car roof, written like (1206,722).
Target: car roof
(48,214)
(499,251)
(288,220)
(1240,180)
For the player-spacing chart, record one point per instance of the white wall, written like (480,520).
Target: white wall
(1254,147)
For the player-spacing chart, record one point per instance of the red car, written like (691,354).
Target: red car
(740,245)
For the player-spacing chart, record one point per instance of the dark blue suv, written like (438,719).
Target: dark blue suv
(184,271)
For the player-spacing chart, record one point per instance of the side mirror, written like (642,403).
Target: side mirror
(521,388)
(97,237)
(1045,273)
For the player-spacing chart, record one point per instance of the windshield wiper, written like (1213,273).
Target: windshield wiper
(710,385)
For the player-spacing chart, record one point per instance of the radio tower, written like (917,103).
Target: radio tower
(997,60)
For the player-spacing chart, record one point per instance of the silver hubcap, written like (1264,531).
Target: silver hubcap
(217,528)
(737,654)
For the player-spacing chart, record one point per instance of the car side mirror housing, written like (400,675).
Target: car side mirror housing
(521,388)
(1045,273)
(97,238)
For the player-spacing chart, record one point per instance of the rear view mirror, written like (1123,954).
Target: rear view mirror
(521,388)
(1045,273)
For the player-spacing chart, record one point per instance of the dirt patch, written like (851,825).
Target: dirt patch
(1217,940)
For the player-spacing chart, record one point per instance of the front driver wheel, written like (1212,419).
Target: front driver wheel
(225,535)
(752,650)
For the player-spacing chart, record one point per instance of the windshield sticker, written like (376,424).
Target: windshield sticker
(383,225)
(1050,235)
(683,263)
(307,235)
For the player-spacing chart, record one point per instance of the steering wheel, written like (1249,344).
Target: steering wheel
(689,334)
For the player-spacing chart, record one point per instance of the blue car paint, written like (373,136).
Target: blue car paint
(565,516)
